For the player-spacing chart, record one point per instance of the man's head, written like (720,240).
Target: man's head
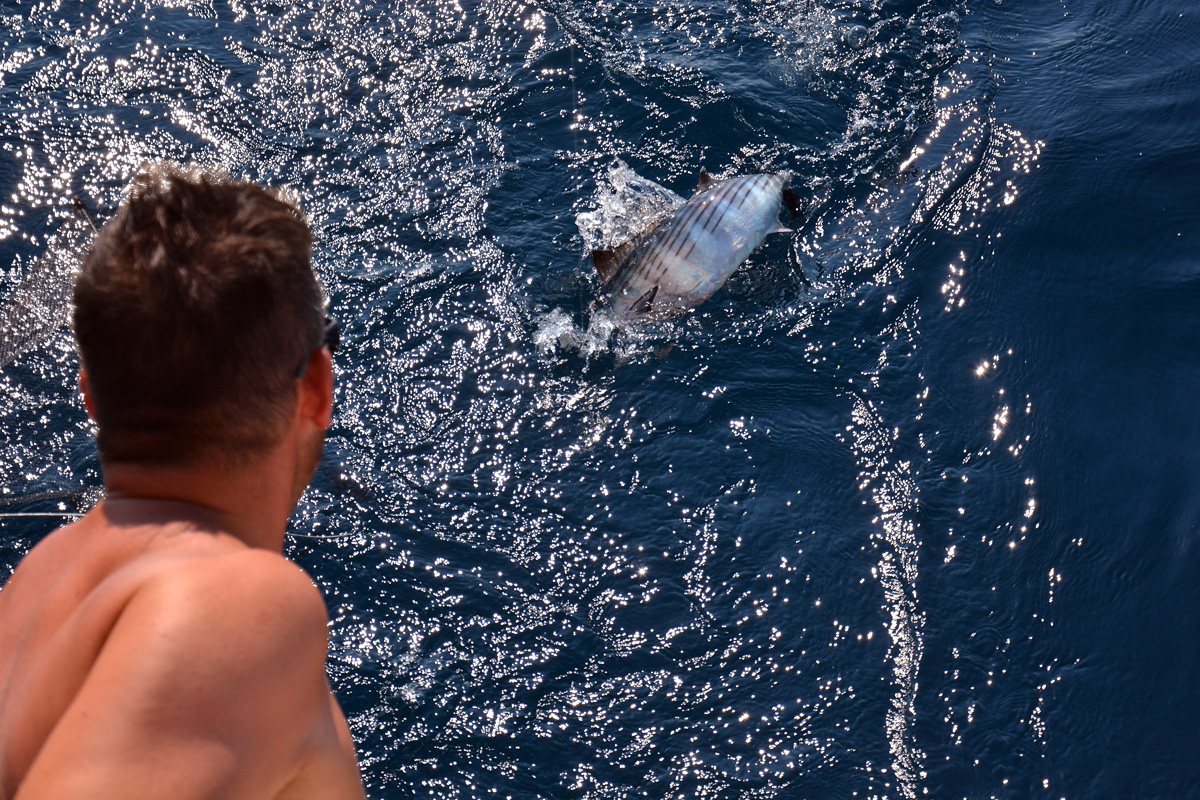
(194,312)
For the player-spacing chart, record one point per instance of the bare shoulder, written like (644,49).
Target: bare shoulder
(214,665)
(252,602)
(236,575)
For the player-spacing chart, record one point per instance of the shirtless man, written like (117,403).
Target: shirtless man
(162,647)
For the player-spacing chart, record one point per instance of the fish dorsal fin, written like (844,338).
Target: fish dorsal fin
(608,262)
(705,181)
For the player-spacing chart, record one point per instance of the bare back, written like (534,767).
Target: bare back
(124,647)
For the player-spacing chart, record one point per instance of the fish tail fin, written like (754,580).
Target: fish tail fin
(609,262)
(606,265)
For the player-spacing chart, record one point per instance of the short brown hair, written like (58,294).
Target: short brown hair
(193,311)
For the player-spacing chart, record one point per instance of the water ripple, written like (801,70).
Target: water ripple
(573,559)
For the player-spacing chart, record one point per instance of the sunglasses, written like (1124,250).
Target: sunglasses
(331,337)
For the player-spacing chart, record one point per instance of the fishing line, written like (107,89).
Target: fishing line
(41,514)
(574,101)
(77,495)
(320,535)
(80,207)
(75,515)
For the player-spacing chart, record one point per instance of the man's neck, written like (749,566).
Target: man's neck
(251,504)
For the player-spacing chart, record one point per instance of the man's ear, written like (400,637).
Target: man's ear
(88,402)
(316,389)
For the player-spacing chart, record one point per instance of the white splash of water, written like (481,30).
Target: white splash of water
(626,205)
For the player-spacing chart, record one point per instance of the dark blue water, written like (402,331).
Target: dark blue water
(910,508)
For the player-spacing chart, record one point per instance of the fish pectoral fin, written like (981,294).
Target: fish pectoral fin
(705,180)
(642,304)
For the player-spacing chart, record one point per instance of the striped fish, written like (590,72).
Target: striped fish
(679,262)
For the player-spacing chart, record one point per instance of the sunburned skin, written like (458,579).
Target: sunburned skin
(125,646)
(162,646)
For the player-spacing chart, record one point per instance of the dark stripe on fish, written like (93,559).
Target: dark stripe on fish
(704,240)
(669,246)
(711,211)
(689,222)
(743,194)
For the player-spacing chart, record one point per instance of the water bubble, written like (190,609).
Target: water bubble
(855,36)
(947,24)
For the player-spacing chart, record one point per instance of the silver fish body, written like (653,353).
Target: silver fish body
(679,263)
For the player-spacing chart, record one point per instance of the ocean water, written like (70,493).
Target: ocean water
(910,508)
